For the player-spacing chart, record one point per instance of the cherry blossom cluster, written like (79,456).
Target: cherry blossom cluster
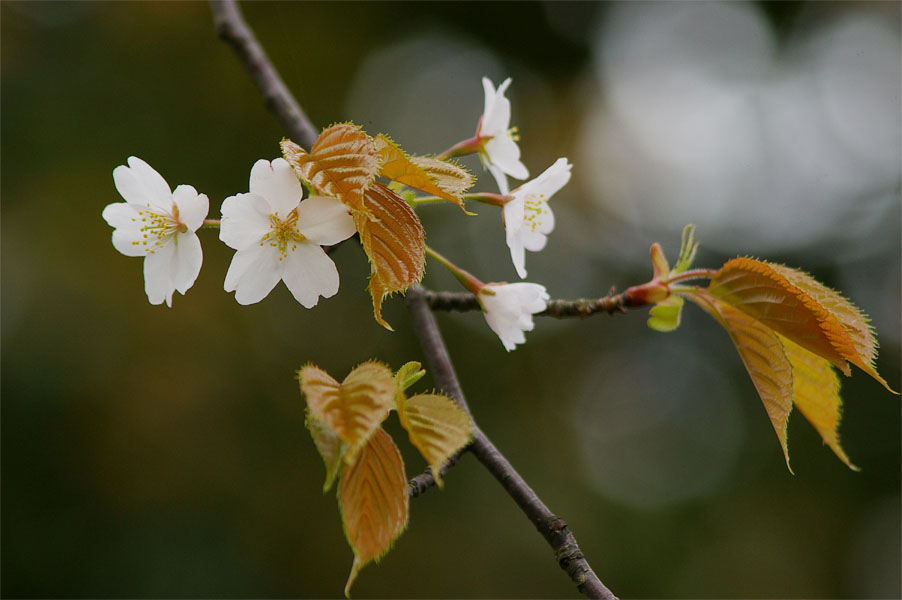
(278,235)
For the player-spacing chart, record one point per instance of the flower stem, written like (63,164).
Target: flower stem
(210,224)
(426,200)
(489,198)
(466,279)
(693,274)
(691,289)
(484,197)
(464,148)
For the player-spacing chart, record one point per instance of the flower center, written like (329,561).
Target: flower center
(534,210)
(283,233)
(158,228)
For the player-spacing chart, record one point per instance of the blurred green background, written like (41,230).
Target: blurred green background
(154,452)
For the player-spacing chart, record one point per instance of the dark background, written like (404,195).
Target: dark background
(154,452)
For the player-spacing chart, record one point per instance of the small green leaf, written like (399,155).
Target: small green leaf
(665,315)
(688,250)
(409,196)
(408,375)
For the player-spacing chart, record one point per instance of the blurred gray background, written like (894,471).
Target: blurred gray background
(154,452)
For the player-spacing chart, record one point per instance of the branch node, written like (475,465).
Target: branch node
(556,525)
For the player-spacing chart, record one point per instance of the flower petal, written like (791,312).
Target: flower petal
(532,296)
(325,221)
(489,88)
(130,241)
(158,275)
(253,273)
(503,87)
(504,153)
(528,218)
(549,182)
(120,214)
(518,254)
(534,241)
(544,223)
(537,224)
(245,220)
(186,261)
(127,235)
(510,338)
(497,116)
(509,309)
(513,224)
(504,324)
(193,207)
(276,182)
(513,213)
(130,187)
(157,190)
(310,273)
(500,178)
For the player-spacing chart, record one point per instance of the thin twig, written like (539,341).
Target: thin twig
(422,482)
(559,309)
(233,29)
(553,529)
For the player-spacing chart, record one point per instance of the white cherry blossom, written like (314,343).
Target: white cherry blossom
(528,218)
(160,225)
(278,237)
(499,153)
(509,307)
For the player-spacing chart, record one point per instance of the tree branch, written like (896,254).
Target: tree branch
(422,482)
(553,529)
(233,29)
(559,309)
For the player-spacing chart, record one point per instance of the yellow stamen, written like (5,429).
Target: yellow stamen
(159,228)
(283,234)
(533,210)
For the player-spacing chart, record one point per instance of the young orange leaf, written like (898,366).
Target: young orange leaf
(757,289)
(789,330)
(394,240)
(341,164)
(395,165)
(449,176)
(815,392)
(762,354)
(784,373)
(855,322)
(437,426)
(353,409)
(373,499)
(330,447)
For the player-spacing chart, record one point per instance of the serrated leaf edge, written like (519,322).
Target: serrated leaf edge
(357,564)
